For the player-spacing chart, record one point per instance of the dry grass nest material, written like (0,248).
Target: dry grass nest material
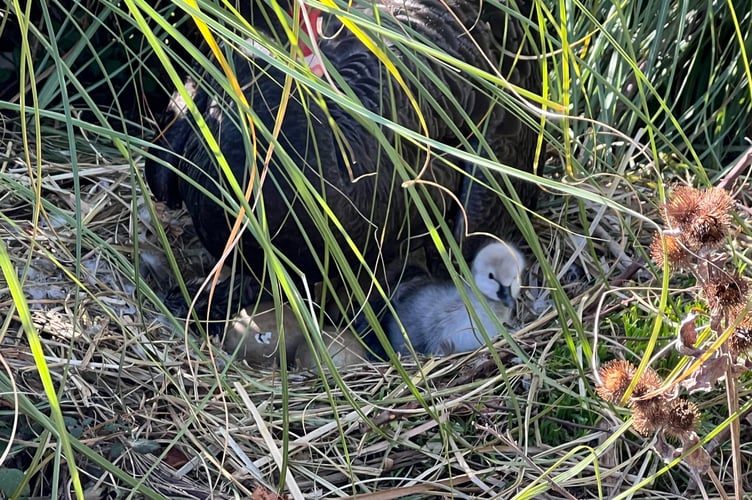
(177,412)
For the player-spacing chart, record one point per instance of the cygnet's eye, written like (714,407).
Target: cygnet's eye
(490,276)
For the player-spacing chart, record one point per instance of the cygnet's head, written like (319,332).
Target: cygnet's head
(497,270)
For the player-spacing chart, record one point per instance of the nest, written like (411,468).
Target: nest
(170,414)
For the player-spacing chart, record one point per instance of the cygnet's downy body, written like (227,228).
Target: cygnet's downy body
(257,340)
(436,318)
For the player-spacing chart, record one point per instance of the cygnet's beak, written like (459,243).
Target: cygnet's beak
(505,296)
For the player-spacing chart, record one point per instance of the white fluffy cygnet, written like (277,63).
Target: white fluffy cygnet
(436,319)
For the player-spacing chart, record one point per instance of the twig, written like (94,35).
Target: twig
(718,485)
(732,395)
(744,161)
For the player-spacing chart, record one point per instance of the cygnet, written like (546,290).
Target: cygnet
(257,340)
(436,319)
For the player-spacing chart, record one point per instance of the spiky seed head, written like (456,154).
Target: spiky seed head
(702,217)
(649,414)
(726,292)
(682,206)
(682,417)
(616,375)
(649,382)
(740,342)
(644,419)
(706,232)
(676,254)
(717,202)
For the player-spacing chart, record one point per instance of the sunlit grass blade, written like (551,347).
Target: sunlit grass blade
(22,308)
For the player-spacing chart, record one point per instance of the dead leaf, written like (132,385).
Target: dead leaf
(664,449)
(688,331)
(698,460)
(712,371)
(687,337)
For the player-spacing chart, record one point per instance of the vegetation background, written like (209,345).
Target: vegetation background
(102,394)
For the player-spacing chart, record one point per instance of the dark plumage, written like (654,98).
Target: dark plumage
(354,171)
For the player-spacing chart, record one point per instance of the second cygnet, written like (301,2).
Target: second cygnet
(436,319)
(257,340)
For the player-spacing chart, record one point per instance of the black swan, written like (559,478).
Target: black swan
(434,316)
(354,172)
